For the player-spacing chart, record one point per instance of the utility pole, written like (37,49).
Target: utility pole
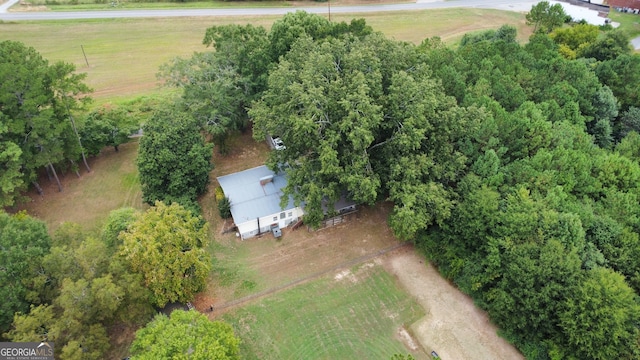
(329,5)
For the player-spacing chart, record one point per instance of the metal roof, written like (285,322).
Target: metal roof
(249,198)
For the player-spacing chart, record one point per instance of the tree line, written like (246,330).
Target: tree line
(45,126)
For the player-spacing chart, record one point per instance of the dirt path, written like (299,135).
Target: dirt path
(454,327)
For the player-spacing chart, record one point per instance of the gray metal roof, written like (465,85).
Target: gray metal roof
(251,200)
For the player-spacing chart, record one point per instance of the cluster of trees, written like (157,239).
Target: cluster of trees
(514,167)
(70,288)
(39,125)
(174,160)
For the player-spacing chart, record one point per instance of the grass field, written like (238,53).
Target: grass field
(124,55)
(87,201)
(354,314)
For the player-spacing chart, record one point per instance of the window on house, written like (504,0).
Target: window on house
(282,215)
(275,218)
(290,214)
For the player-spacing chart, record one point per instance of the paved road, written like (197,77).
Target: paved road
(106,14)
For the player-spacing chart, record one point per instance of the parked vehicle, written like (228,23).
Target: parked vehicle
(277,143)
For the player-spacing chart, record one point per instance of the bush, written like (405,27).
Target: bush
(219,194)
(224,208)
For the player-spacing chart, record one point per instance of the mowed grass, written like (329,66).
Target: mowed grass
(124,55)
(354,314)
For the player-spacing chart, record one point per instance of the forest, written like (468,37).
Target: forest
(514,167)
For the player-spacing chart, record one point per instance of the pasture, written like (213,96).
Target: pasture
(124,55)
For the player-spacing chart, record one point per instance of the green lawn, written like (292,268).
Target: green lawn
(630,23)
(355,317)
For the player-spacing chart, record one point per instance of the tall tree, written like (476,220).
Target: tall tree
(600,320)
(173,160)
(545,17)
(165,245)
(24,241)
(185,334)
(106,127)
(36,100)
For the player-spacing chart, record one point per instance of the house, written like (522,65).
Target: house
(626,5)
(255,201)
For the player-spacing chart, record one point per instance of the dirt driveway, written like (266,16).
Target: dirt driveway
(454,327)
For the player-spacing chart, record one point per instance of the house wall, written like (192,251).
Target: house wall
(249,228)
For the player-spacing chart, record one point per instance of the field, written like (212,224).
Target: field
(124,55)
(356,313)
(352,291)
(89,199)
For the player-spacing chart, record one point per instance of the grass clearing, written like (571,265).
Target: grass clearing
(113,183)
(629,23)
(353,314)
(124,55)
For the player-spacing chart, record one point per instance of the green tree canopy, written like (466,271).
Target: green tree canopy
(165,245)
(36,128)
(24,242)
(173,160)
(185,334)
(545,17)
(107,127)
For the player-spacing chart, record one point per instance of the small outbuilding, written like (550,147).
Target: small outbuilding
(255,201)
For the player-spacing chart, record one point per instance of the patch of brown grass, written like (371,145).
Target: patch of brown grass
(112,184)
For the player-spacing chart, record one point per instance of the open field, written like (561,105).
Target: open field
(357,313)
(124,55)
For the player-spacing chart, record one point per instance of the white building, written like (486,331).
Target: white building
(255,201)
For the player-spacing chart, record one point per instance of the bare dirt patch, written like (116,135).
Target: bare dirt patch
(454,327)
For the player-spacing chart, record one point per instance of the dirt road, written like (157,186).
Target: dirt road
(454,327)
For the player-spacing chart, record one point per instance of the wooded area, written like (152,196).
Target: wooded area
(515,168)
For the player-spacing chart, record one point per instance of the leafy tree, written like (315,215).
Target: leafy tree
(326,115)
(173,160)
(600,319)
(165,245)
(574,39)
(185,334)
(107,127)
(609,46)
(622,75)
(545,17)
(11,181)
(218,86)
(630,145)
(628,122)
(117,221)
(36,101)
(24,241)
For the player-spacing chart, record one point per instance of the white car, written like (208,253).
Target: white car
(278,144)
